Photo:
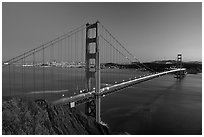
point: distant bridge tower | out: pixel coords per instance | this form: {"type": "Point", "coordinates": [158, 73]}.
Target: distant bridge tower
{"type": "Point", "coordinates": [92, 69]}
{"type": "Point", "coordinates": [179, 60]}
{"type": "Point", "coordinates": [180, 74]}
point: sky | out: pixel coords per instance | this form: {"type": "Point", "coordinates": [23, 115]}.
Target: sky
{"type": "Point", "coordinates": [150, 31]}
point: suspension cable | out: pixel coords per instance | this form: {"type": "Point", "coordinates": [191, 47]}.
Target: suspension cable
{"type": "Point", "coordinates": [125, 48]}
{"type": "Point", "coordinates": [46, 45]}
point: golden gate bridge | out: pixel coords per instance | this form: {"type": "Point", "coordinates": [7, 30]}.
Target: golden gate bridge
{"type": "Point", "coordinates": [83, 65]}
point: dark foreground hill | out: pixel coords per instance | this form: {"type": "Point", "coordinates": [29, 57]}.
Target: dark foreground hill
{"type": "Point", "coordinates": [21, 116]}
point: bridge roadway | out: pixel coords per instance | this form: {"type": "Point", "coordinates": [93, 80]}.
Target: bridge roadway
{"type": "Point", "coordinates": [85, 97]}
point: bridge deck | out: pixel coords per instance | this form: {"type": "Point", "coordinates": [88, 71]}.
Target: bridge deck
{"type": "Point", "coordinates": [84, 97]}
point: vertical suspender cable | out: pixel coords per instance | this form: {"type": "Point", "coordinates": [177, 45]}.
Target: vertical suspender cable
{"type": "Point", "coordinates": [34, 70]}
{"type": "Point", "coordinates": [68, 69]}
{"type": "Point", "coordinates": [61, 61]}
{"type": "Point", "coordinates": [24, 73]}
{"type": "Point", "coordinates": [110, 60]}
{"type": "Point", "coordinates": [22, 63]}
{"type": "Point", "coordinates": [65, 50]}
{"type": "Point", "coordinates": [115, 64]}
{"type": "Point", "coordinates": [53, 66]}
{"type": "Point", "coordinates": [116, 60]}
{"type": "Point", "coordinates": [9, 79]}
{"type": "Point", "coordinates": [71, 76]}
{"type": "Point", "coordinates": [65, 60]}
{"type": "Point", "coordinates": [14, 78]}
{"type": "Point", "coordinates": [50, 67]}
{"type": "Point", "coordinates": [43, 72]}
{"type": "Point", "coordinates": [23, 83]}
{"type": "Point", "coordinates": [75, 60]}
{"type": "Point", "coordinates": [58, 65]}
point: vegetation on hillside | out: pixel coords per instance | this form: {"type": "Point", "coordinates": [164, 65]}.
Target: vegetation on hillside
{"type": "Point", "coordinates": [22, 116]}
{"type": "Point", "coordinates": [191, 67]}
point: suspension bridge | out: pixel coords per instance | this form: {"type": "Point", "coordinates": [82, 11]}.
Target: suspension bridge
{"type": "Point", "coordinates": [79, 67]}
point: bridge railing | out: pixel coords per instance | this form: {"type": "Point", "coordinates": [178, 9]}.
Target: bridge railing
{"type": "Point", "coordinates": [85, 97]}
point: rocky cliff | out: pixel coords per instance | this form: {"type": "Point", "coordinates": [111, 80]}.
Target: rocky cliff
{"type": "Point", "coordinates": [22, 116]}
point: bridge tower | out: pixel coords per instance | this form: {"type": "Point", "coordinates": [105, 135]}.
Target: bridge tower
{"type": "Point", "coordinates": [180, 74]}
{"type": "Point", "coordinates": [92, 69]}
{"type": "Point", "coordinates": [179, 60]}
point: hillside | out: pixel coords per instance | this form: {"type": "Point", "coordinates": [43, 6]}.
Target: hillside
{"type": "Point", "coordinates": [21, 116]}
{"type": "Point", "coordinates": [191, 67]}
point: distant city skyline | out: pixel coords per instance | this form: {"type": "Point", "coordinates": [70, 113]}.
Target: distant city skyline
{"type": "Point", "coordinates": [150, 31]}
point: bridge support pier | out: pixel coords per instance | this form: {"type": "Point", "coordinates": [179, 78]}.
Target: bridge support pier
{"type": "Point", "coordinates": [92, 69]}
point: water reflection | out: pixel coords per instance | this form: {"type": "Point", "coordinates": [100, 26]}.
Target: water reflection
{"type": "Point", "coordinates": [161, 106]}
